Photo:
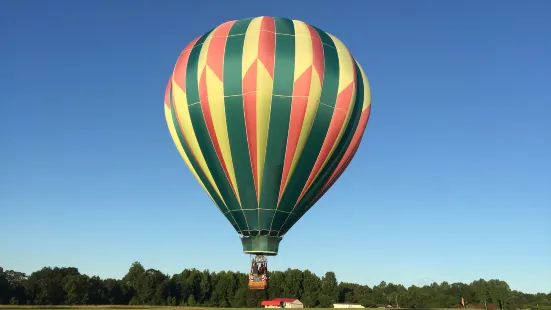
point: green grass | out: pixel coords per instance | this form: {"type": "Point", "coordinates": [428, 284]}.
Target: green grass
{"type": "Point", "coordinates": [89, 307]}
{"type": "Point", "coordinates": [109, 307]}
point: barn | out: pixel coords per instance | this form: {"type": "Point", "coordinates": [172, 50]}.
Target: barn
{"type": "Point", "coordinates": [282, 303]}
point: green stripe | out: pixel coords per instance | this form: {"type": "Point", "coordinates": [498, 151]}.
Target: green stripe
{"type": "Point", "coordinates": [280, 114]}
{"type": "Point", "coordinates": [319, 130]}
{"type": "Point", "coordinates": [202, 133]}
{"type": "Point", "coordinates": [198, 169]}
{"type": "Point", "coordinates": [345, 166]}
{"type": "Point", "coordinates": [337, 176]}
{"type": "Point", "coordinates": [235, 118]}
{"type": "Point", "coordinates": [336, 157]}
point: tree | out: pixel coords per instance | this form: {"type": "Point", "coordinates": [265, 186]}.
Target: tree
{"type": "Point", "coordinates": [191, 301]}
{"type": "Point", "coordinates": [16, 283]}
{"type": "Point", "coordinates": [481, 292]}
{"type": "Point", "coordinates": [329, 287]}
{"type": "Point", "coordinates": [76, 290]}
{"type": "Point", "coordinates": [192, 287]}
{"type": "Point", "coordinates": [293, 283]}
{"type": "Point", "coordinates": [368, 302]}
{"type": "Point", "coordinates": [277, 284]}
{"type": "Point", "coordinates": [311, 289]}
{"type": "Point", "coordinates": [135, 273]}
{"type": "Point", "coordinates": [325, 301]}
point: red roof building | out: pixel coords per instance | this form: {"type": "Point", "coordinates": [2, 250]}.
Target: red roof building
{"type": "Point", "coordinates": [282, 303]}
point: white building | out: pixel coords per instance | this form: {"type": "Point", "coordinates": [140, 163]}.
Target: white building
{"type": "Point", "coordinates": [293, 304]}
{"type": "Point", "coordinates": [347, 306]}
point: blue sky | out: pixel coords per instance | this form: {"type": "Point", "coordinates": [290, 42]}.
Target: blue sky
{"type": "Point", "coordinates": [452, 180]}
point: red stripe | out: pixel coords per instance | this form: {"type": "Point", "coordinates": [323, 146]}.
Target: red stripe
{"type": "Point", "coordinates": [349, 154]}
{"type": "Point", "coordinates": [203, 95]}
{"type": "Point", "coordinates": [336, 177]}
{"type": "Point", "coordinates": [266, 46]}
{"type": "Point", "coordinates": [179, 73]}
{"type": "Point", "coordinates": [298, 107]}
{"type": "Point", "coordinates": [301, 90]}
{"type": "Point", "coordinates": [215, 54]}
{"type": "Point", "coordinates": [317, 49]}
{"type": "Point", "coordinates": [249, 105]}
{"type": "Point", "coordinates": [344, 100]}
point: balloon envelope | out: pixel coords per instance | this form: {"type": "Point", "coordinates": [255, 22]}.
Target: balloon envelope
{"type": "Point", "coordinates": [267, 113]}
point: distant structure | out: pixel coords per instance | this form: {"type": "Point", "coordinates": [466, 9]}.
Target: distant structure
{"type": "Point", "coordinates": [282, 303]}
{"type": "Point", "coordinates": [345, 305]}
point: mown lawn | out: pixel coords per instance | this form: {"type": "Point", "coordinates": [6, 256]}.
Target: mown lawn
{"type": "Point", "coordinates": [88, 307]}
{"type": "Point", "coordinates": [5, 307]}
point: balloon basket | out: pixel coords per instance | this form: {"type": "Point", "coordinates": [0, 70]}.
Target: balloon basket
{"type": "Point", "coordinates": [261, 285]}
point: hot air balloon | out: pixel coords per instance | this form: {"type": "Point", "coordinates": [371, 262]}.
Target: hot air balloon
{"type": "Point", "coordinates": [267, 113]}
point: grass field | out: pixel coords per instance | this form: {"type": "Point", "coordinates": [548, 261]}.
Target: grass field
{"type": "Point", "coordinates": [5, 307]}
{"type": "Point", "coordinates": [88, 307]}
{"type": "Point", "coordinates": [108, 307]}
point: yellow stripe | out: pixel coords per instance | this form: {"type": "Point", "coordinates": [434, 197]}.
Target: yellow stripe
{"type": "Point", "coordinates": [304, 59]}
{"type": "Point", "coordinates": [215, 89]}
{"type": "Point", "coordinates": [202, 61]}
{"type": "Point", "coordinates": [367, 90]}
{"type": "Point", "coordinates": [346, 64]}
{"type": "Point", "coordinates": [264, 90]}
{"type": "Point", "coordinates": [178, 144]}
{"type": "Point", "coordinates": [250, 45]}
{"type": "Point", "coordinates": [346, 77]}
{"type": "Point", "coordinates": [180, 102]}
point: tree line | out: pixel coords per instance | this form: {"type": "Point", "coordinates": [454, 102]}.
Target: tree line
{"type": "Point", "coordinates": [192, 287]}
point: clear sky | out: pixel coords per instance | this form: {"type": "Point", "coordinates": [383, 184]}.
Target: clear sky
{"type": "Point", "coordinates": [452, 180]}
